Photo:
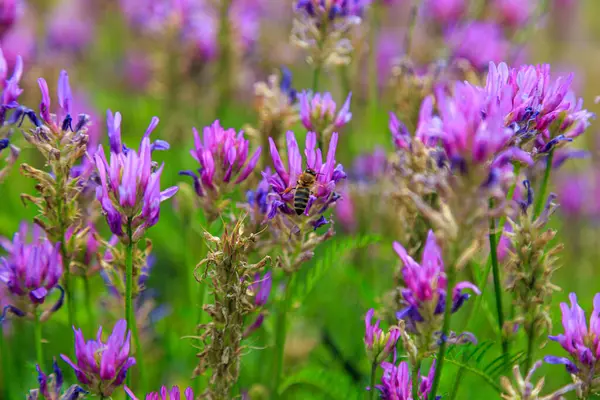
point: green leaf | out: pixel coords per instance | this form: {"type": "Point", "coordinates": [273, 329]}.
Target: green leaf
{"type": "Point", "coordinates": [334, 384]}
{"type": "Point", "coordinates": [303, 284]}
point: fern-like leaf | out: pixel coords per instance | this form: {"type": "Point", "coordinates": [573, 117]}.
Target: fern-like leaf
{"type": "Point", "coordinates": [332, 383]}
{"type": "Point", "coordinates": [303, 284]}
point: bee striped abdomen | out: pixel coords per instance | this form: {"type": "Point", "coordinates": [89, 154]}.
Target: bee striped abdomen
{"type": "Point", "coordinates": [301, 200]}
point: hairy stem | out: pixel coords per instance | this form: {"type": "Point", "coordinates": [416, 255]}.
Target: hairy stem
{"type": "Point", "coordinates": [67, 267]}
{"type": "Point", "coordinates": [37, 332]}
{"type": "Point", "coordinates": [415, 379]}
{"type": "Point", "coordinates": [372, 382]}
{"type": "Point", "coordinates": [541, 194]}
{"type": "Point", "coordinates": [530, 345]}
{"type": "Point", "coordinates": [497, 283]}
{"type": "Point", "coordinates": [280, 333]}
{"type": "Point", "coordinates": [441, 354]}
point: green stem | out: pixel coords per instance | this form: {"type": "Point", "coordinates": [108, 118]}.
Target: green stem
{"type": "Point", "coordinates": [88, 302]}
{"type": "Point", "coordinates": [37, 331]}
{"type": "Point", "coordinates": [373, 377]}
{"type": "Point", "coordinates": [6, 369]}
{"type": "Point", "coordinates": [129, 287]}
{"type": "Point", "coordinates": [441, 354]}
{"type": "Point", "coordinates": [497, 283]}
{"type": "Point", "coordinates": [459, 376]}
{"type": "Point", "coordinates": [541, 194]}
{"type": "Point", "coordinates": [415, 379]}
{"type": "Point", "coordinates": [280, 333]}
{"type": "Point", "coordinates": [530, 346]}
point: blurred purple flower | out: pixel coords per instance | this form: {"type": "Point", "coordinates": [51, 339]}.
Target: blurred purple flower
{"type": "Point", "coordinates": [137, 70]}
{"type": "Point", "coordinates": [130, 185]}
{"type": "Point", "coordinates": [346, 212]}
{"type": "Point", "coordinates": [164, 394]}
{"type": "Point", "coordinates": [332, 10]}
{"type": "Point", "coordinates": [573, 194]}
{"type": "Point", "coordinates": [318, 112]}
{"type": "Point", "coordinates": [400, 134]}
{"type": "Point", "coordinates": [396, 382]}
{"type": "Point", "coordinates": [19, 41]}
{"type": "Point", "coordinates": [328, 175]}
{"type": "Point", "coordinates": [102, 366]}
{"type": "Point", "coordinates": [581, 344]}
{"type": "Point", "coordinates": [513, 13]}
{"type": "Point", "coordinates": [369, 167]}
{"type": "Point", "coordinates": [10, 86]}
{"type": "Point", "coordinates": [531, 101]}
{"type": "Point", "coordinates": [260, 290]}
{"type": "Point", "coordinates": [425, 290]}
{"type": "Point", "coordinates": [9, 12]}
{"type": "Point", "coordinates": [257, 204]}
{"type": "Point", "coordinates": [379, 345]}
{"type": "Point", "coordinates": [389, 49]}
{"type": "Point", "coordinates": [32, 269]}
{"type": "Point", "coordinates": [478, 42]}
{"type": "Point", "coordinates": [50, 386]}
{"type": "Point", "coordinates": [70, 28]}
{"type": "Point", "coordinates": [222, 155]}
{"type": "Point", "coordinates": [445, 12]}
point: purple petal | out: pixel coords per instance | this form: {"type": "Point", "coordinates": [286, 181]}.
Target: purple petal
{"type": "Point", "coordinates": [571, 367]}
{"type": "Point", "coordinates": [250, 166]}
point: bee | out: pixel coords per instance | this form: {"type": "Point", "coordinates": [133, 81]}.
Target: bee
{"type": "Point", "coordinates": [303, 188]}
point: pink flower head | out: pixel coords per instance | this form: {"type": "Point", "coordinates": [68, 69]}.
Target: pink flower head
{"type": "Point", "coordinates": [33, 268]}
{"type": "Point", "coordinates": [165, 394]}
{"type": "Point", "coordinates": [223, 158]}
{"type": "Point", "coordinates": [379, 345]}
{"type": "Point", "coordinates": [580, 341]}
{"type": "Point", "coordinates": [318, 111]}
{"type": "Point", "coordinates": [446, 12]}
{"type": "Point", "coordinates": [426, 283]}
{"type": "Point", "coordinates": [129, 192]}
{"type": "Point", "coordinates": [70, 27]}
{"type": "Point", "coordinates": [530, 101]}
{"type": "Point", "coordinates": [328, 175]}
{"type": "Point", "coordinates": [396, 382]}
{"type": "Point", "coordinates": [478, 42]}
{"type": "Point", "coordinates": [10, 10]}
{"type": "Point", "coordinates": [102, 366]}
{"type": "Point", "coordinates": [513, 13]}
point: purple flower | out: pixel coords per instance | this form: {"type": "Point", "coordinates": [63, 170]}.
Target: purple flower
{"type": "Point", "coordinates": [165, 394]}
{"type": "Point", "coordinates": [369, 167]}
{"type": "Point", "coordinates": [400, 134]}
{"type": "Point", "coordinates": [10, 86]}
{"type": "Point", "coordinates": [396, 383]}
{"type": "Point", "coordinates": [426, 284]}
{"type": "Point", "coordinates": [10, 10]}
{"type": "Point", "coordinates": [332, 10]}
{"type": "Point", "coordinates": [32, 269]}
{"type": "Point", "coordinates": [318, 112]}
{"type": "Point", "coordinates": [379, 345]}
{"type": "Point", "coordinates": [582, 344]}
{"type": "Point", "coordinates": [346, 213]}
{"type": "Point", "coordinates": [388, 50]}
{"type": "Point", "coordinates": [478, 42]}
{"type": "Point", "coordinates": [257, 203]}
{"type": "Point", "coordinates": [129, 192]}
{"type": "Point", "coordinates": [102, 366]}
{"type": "Point", "coordinates": [445, 12]}
{"type": "Point", "coordinates": [260, 290]}
{"type": "Point", "coordinates": [471, 131]}
{"type": "Point", "coordinates": [513, 13]}
{"type": "Point", "coordinates": [69, 26]}
{"type": "Point", "coordinates": [284, 181]}
{"type": "Point", "coordinates": [50, 386]}
{"type": "Point", "coordinates": [531, 101]}
{"type": "Point", "coordinates": [223, 158]}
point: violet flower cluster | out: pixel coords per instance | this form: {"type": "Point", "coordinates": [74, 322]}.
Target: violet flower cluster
{"type": "Point", "coordinates": [379, 345]}
{"type": "Point", "coordinates": [260, 291]}
{"type": "Point", "coordinates": [396, 383]}
{"type": "Point", "coordinates": [31, 271]}
{"type": "Point", "coordinates": [323, 193]}
{"type": "Point", "coordinates": [50, 387]}
{"type": "Point", "coordinates": [581, 342]}
{"type": "Point", "coordinates": [318, 114]}
{"type": "Point", "coordinates": [425, 292]}
{"type": "Point", "coordinates": [129, 192]}
{"type": "Point", "coordinates": [165, 394]}
{"type": "Point", "coordinates": [102, 366]}
{"type": "Point", "coordinates": [10, 86]}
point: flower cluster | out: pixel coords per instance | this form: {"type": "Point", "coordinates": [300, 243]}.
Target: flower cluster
{"type": "Point", "coordinates": [524, 389]}
{"type": "Point", "coordinates": [379, 345]}
{"type": "Point", "coordinates": [317, 113]}
{"type": "Point", "coordinates": [581, 343]}
{"type": "Point", "coordinates": [396, 382]}
{"type": "Point", "coordinates": [31, 271]}
{"type": "Point", "coordinates": [130, 184]}
{"type": "Point", "coordinates": [542, 111]}
{"type": "Point", "coordinates": [165, 394]}
{"type": "Point", "coordinates": [223, 158]}
{"type": "Point", "coordinates": [260, 291]}
{"type": "Point", "coordinates": [424, 294]}
{"type": "Point", "coordinates": [102, 366]}
{"type": "Point", "coordinates": [51, 387]}
{"type": "Point", "coordinates": [466, 43]}
{"type": "Point", "coordinates": [10, 86]}
{"type": "Point", "coordinates": [286, 181]}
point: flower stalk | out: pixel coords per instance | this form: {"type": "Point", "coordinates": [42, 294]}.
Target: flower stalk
{"type": "Point", "coordinates": [372, 392]}
{"type": "Point", "coordinates": [37, 331]}
{"type": "Point", "coordinates": [280, 336]}
{"type": "Point", "coordinates": [539, 204]}
{"type": "Point", "coordinates": [129, 315]}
